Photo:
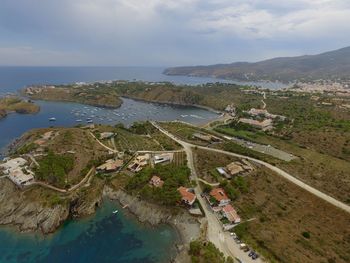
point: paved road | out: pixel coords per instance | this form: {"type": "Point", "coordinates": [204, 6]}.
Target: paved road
{"type": "Point", "coordinates": [265, 149]}
{"type": "Point", "coordinates": [279, 171]}
{"type": "Point", "coordinates": [222, 240]}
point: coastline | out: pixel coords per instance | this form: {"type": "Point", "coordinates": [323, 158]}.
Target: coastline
{"type": "Point", "coordinates": [83, 103]}
{"type": "Point", "coordinates": [174, 104]}
{"type": "Point", "coordinates": [47, 220]}
{"type": "Point", "coordinates": [187, 226]}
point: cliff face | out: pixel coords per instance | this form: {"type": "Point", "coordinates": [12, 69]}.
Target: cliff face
{"type": "Point", "coordinates": [28, 214]}
{"type": "Point", "coordinates": [29, 209]}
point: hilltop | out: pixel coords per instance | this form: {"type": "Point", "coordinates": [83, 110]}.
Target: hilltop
{"type": "Point", "coordinates": [328, 65]}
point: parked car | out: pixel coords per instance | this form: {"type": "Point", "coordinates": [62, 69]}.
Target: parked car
{"type": "Point", "coordinates": [251, 253]}
{"type": "Point", "coordinates": [255, 256]}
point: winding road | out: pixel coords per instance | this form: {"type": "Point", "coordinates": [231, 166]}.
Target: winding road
{"type": "Point", "coordinates": [215, 234]}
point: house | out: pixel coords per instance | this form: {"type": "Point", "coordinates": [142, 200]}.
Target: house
{"type": "Point", "coordinates": [206, 137]}
{"type": "Point", "coordinates": [263, 125]}
{"type": "Point", "coordinates": [17, 172]}
{"type": "Point", "coordinates": [139, 163]}
{"type": "Point", "coordinates": [110, 165]}
{"type": "Point", "coordinates": [12, 164]}
{"type": "Point", "coordinates": [234, 168]}
{"type": "Point", "coordinates": [186, 195]}
{"type": "Point", "coordinates": [162, 158]}
{"type": "Point", "coordinates": [156, 181]}
{"type": "Point", "coordinates": [230, 213]}
{"type": "Point", "coordinates": [231, 109]}
{"type": "Point", "coordinates": [223, 172]}
{"type": "Point", "coordinates": [265, 113]}
{"type": "Point", "coordinates": [107, 135]}
{"type": "Point", "coordinates": [220, 196]}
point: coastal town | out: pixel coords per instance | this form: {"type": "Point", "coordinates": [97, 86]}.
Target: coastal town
{"type": "Point", "coordinates": [203, 172]}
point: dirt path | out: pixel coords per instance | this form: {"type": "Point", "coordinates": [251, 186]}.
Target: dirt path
{"type": "Point", "coordinates": [103, 145]}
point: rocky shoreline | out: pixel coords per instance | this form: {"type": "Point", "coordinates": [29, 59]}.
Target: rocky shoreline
{"type": "Point", "coordinates": [188, 227]}
{"type": "Point", "coordinates": [28, 210]}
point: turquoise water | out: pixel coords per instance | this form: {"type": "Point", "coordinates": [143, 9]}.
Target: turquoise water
{"type": "Point", "coordinates": [104, 237]}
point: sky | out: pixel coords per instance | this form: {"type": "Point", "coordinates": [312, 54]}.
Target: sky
{"type": "Point", "coordinates": [167, 32]}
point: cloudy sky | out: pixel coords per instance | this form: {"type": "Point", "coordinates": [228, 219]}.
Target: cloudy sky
{"type": "Point", "coordinates": [167, 32]}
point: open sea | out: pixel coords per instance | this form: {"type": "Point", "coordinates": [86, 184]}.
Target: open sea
{"type": "Point", "coordinates": [104, 237]}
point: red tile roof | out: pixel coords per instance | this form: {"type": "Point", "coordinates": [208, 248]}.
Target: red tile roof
{"type": "Point", "coordinates": [219, 194]}
{"type": "Point", "coordinates": [186, 195]}
{"type": "Point", "coordinates": [231, 213]}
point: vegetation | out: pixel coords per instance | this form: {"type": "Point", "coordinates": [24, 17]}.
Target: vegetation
{"type": "Point", "coordinates": [54, 168]}
{"type": "Point", "coordinates": [173, 177]}
{"type": "Point", "coordinates": [18, 105]}
{"type": "Point", "coordinates": [140, 136]}
{"type": "Point", "coordinates": [283, 212]}
{"type": "Point", "coordinates": [206, 252]}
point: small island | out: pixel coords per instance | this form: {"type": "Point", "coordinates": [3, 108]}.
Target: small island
{"type": "Point", "coordinates": [10, 104]}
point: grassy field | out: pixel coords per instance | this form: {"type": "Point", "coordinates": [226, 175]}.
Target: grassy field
{"type": "Point", "coordinates": [73, 144]}
{"type": "Point", "coordinates": [186, 131]}
{"type": "Point", "coordinates": [207, 162]}
{"type": "Point", "coordinates": [93, 94]}
{"type": "Point", "coordinates": [291, 225]}
{"type": "Point", "coordinates": [326, 173]}
{"type": "Point", "coordinates": [139, 137]}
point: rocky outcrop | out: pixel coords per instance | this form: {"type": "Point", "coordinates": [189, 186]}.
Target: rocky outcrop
{"type": "Point", "coordinates": [22, 209]}
{"type": "Point", "coordinates": [30, 209]}
{"type": "Point", "coordinates": [153, 214]}
{"type": "Point", "coordinates": [187, 226]}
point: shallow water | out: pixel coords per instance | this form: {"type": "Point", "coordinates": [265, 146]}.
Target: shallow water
{"type": "Point", "coordinates": [104, 237]}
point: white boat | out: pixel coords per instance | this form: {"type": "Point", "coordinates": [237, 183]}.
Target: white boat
{"type": "Point", "coordinates": [78, 120]}
{"type": "Point", "coordinates": [116, 211]}
{"type": "Point", "coordinates": [52, 119]}
{"type": "Point", "coordinates": [89, 121]}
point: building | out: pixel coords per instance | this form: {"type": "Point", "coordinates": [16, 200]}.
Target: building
{"type": "Point", "coordinates": [107, 135]}
{"type": "Point", "coordinates": [156, 181]}
{"type": "Point", "coordinates": [206, 137]}
{"type": "Point", "coordinates": [139, 163]}
{"type": "Point", "coordinates": [231, 109]}
{"type": "Point", "coordinates": [262, 125]}
{"type": "Point", "coordinates": [110, 165]}
{"type": "Point", "coordinates": [230, 213]}
{"type": "Point", "coordinates": [265, 113]}
{"type": "Point", "coordinates": [186, 195]}
{"type": "Point", "coordinates": [234, 169]}
{"type": "Point", "coordinates": [162, 158]}
{"type": "Point", "coordinates": [220, 196]}
{"type": "Point", "coordinates": [223, 172]}
{"type": "Point", "coordinates": [17, 171]}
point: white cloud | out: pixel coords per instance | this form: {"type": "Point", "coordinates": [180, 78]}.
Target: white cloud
{"type": "Point", "coordinates": [158, 32]}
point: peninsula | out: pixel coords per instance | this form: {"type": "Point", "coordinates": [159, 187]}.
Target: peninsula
{"type": "Point", "coordinates": [14, 104]}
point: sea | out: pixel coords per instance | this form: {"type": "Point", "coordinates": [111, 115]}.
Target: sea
{"type": "Point", "coordinates": [103, 237]}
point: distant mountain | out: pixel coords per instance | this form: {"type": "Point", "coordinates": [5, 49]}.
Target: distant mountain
{"type": "Point", "coordinates": [329, 65]}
